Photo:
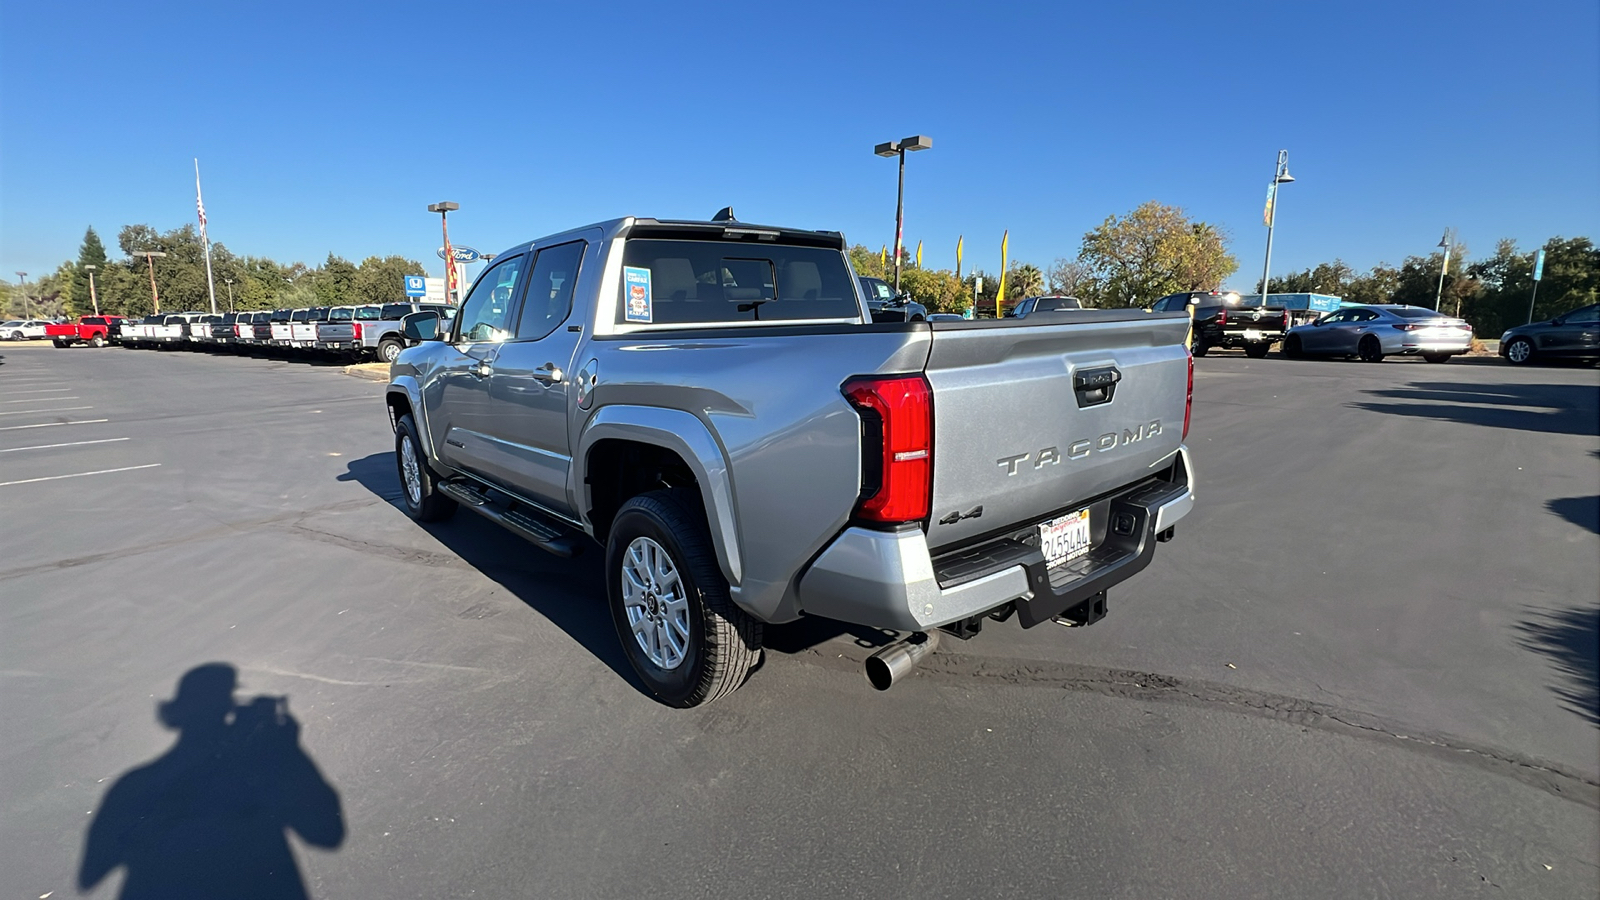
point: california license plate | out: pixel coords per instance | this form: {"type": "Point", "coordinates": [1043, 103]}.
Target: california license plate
{"type": "Point", "coordinates": [1065, 539]}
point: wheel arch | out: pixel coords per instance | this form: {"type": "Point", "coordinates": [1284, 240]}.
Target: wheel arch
{"type": "Point", "coordinates": [624, 450]}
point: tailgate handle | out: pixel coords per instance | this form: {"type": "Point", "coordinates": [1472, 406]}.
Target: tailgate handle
{"type": "Point", "coordinates": [1095, 386]}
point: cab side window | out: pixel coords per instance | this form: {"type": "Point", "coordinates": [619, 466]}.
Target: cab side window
{"type": "Point", "coordinates": [486, 315]}
{"type": "Point", "coordinates": [548, 300]}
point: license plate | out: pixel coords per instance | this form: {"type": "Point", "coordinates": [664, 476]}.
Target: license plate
{"type": "Point", "coordinates": [1252, 334]}
{"type": "Point", "coordinates": [1065, 539]}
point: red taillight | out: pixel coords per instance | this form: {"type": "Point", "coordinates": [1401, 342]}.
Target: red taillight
{"type": "Point", "coordinates": [1188, 399]}
{"type": "Point", "coordinates": [1405, 326]}
{"type": "Point", "coordinates": [1222, 317]}
{"type": "Point", "coordinates": [897, 415]}
{"type": "Point", "coordinates": [355, 330]}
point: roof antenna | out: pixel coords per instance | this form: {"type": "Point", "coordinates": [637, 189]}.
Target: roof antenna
{"type": "Point", "coordinates": [724, 215]}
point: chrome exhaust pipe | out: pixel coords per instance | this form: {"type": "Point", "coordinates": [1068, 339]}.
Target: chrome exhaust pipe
{"type": "Point", "coordinates": [892, 663]}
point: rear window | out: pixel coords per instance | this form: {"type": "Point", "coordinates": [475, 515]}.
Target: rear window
{"type": "Point", "coordinates": [1413, 312]}
{"type": "Point", "coordinates": [153, 320]}
{"type": "Point", "coordinates": [261, 318]}
{"type": "Point", "coordinates": [708, 282]}
{"type": "Point", "coordinates": [393, 311]}
{"type": "Point", "coordinates": [300, 315]}
{"type": "Point", "coordinates": [1051, 304]}
{"type": "Point", "coordinates": [319, 314]}
{"type": "Point", "coordinates": [341, 315]}
{"type": "Point", "coordinates": [369, 314]}
{"type": "Point", "coordinates": [282, 315]}
{"type": "Point", "coordinates": [94, 320]}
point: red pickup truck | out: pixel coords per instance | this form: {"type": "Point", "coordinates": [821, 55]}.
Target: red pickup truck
{"type": "Point", "coordinates": [96, 331]}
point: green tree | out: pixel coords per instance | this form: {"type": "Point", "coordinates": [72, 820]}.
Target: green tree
{"type": "Point", "coordinates": [1152, 251]}
{"type": "Point", "coordinates": [382, 279]}
{"type": "Point", "coordinates": [90, 253]}
{"type": "Point", "coordinates": [334, 283]}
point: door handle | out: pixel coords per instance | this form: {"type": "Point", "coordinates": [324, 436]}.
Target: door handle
{"type": "Point", "coordinates": [549, 373]}
{"type": "Point", "coordinates": [483, 369]}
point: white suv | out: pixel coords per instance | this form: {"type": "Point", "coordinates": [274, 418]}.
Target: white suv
{"type": "Point", "coordinates": [22, 329]}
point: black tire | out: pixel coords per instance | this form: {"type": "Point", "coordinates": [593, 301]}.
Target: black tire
{"type": "Point", "coordinates": [97, 341]}
{"type": "Point", "coordinates": [723, 643]}
{"type": "Point", "coordinates": [1369, 350]}
{"type": "Point", "coordinates": [1291, 347]}
{"type": "Point", "coordinates": [1520, 351]}
{"type": "Point", "coordinates": [389, 351]}
{"type": "Point", "coordinates": [1197, 347]}
{"type": "Point", "coordinates": [1436, 357]}
{"type": "Point", "coordinates": [60, 344]}
{"type": "Point", "coordinates": [419, 487]}
{"type": "Point", "coordinates": [16, 336]}
{"type": "Point", "coordinates": [1257, 349]}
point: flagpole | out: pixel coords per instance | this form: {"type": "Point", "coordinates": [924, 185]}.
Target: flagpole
{"type": "Point", "coordinates": [211, 285]}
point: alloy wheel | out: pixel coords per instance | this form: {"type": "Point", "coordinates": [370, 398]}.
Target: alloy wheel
{"type": "Point", "coordinates": [654, 599]}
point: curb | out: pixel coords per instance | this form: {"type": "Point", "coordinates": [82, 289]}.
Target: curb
{"type": "Point", "coordinates": [369, 371]}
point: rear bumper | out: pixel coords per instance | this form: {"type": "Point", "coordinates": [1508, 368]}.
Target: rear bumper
{"type": "Point", "coordinates": [338, 345]}
{"type": "Point", "coordinates": [888, 579]}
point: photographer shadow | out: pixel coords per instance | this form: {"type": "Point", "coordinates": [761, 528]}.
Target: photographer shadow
{"type": "Point", "coordinates": [209, 818]}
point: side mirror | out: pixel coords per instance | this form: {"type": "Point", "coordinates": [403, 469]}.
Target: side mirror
{"type": "Point", "coordinates": [420, 326]}
{"type": "Point", "coordinates": [1559, 320]}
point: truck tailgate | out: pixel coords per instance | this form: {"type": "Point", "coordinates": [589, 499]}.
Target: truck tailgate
{"type": "Point", "coordinates": [342, 332]}
{"type": "Point", "coordinates": [1018, 428]}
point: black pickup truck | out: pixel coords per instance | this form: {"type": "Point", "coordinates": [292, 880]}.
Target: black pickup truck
{"type": "Point", "coordinates": [1224, 319]}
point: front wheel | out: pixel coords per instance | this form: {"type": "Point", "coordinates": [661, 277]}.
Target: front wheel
{"type": "Point", "coordinates": [389, 351]}
{"type": "Point", "coordinates": [681, 632]}
{"type": "Point", "coordinates": [1370, 350]}
{"type": "Point", "coordinates": [1197, 347]}
{"type": "Point", "coordinates": [1291, 347]}
{"type": "Point", "coordinates": [418, 486]}
{"type": "Point", "coordinates": [16, 336]}
{"type": "Point", "coordinates": [1257, 349]}
{"type": "Point", "coordinates": [1520, 351]}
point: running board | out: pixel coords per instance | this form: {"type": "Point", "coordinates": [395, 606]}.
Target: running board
{"type": "Point", "coordinates": [530, 525]}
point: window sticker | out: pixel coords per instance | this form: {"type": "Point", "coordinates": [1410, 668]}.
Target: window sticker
{"type": "Point", "coordinates": [636, 282]}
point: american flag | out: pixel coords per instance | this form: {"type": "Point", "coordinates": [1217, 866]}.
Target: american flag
{"type": "Point", "coordinates": [199, 203]}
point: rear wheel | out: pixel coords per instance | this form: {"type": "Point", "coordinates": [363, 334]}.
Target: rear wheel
{"type": "Point", "coordinates": [1520, 351]}
{"type": "Point", "coordinates": [1257, 349]}
{"type": "Point", "coordinates": [418, 486]}
{"type": "Point", "coordinates": [1369, 349]}
{"type": "Point", "coordinates": [389, 351]}
{"type": "Point", "coordinates": [1197, 346]}
{"type": "Point", "coordinates": [681, 632]}
{"type": "Point", "coordinates": [1436, 357]}
{"type": "Point", "coordinates": [59, 343]}
{"type": "Point", "coordinates": [98, 340]}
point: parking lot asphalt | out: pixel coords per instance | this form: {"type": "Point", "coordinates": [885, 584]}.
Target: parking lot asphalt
{"type": "Point", "coordinates": [1365, 667]}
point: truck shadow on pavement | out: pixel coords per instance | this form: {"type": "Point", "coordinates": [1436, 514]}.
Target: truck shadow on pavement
{"type": "Point", "coordinates": [1583, 512]}
{"type": "Point", "coordinates": [1570, 638]}
{"type": "Point", "coordinates": [571, 593]}
{"type": "Point", "coordinates": [1546, 408]}
{"type": "Point", "coordinates": [211, 816]}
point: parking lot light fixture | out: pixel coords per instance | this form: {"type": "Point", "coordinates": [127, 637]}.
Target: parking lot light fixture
{"type": "Point", "coordinates": [892, 149]}
{"type": "Point", "coordinates": [1445, 243]}
{"type": "Point", "coordinates": [444, 208]}
{"type": "Point", "coordinates": [1280, 175]}
{"type": "Point", "coordinates": [93, 297]}
{"type": "Point", "coordinates": [150, 257]}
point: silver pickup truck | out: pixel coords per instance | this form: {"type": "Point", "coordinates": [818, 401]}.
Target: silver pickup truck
{"type": "Point", "coordinates": [712, 404]}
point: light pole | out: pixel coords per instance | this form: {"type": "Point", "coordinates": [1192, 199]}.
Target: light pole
{"type": "Point", "coordinates": [22, 287]}
{"type": "Point", "coordinates": [899, 148]}
{"type": "Point", "coordinates": [150, 257]}
{"type": "Point", "coordinates": [444, 208]}
{"type": "Point", "coordinates": [229, 282]}
{"type": "Point", "coordinates": [93, 297]}
{"type": "Point", "coordinates": [1439, 292]}
{"type": "Point", "coordinates": [1280, 175]}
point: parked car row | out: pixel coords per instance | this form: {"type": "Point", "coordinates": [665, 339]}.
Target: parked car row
{"type": "Point", "coordinates": [356, 332]}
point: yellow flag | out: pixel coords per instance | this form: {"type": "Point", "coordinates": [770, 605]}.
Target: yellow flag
{"type": "Point", "coordinates": [919, 254]}
{"type": "Point", "coordinates": [1000, 293]}
{"type": "Point", "coordinates": [883, 257]}
{"type": "Point", "coordinates": [959, 239]}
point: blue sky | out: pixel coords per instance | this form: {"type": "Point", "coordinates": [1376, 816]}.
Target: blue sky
{"type": "Point", "coordinates": [329, 126]}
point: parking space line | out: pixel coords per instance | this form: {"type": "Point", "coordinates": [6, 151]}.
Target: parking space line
{"type": "Point", "coordinates": [37, 399]}
{"type": "Point", "coordinates": [54, 424]}
{"type": "Point", "coordinates": [78, 474]}
{"type": "Point", "coordinates": [40, 391]}
{"type": "Point", "coordinates": [29, 412]}
{"type": "Point", "coordinates": [68, 444]}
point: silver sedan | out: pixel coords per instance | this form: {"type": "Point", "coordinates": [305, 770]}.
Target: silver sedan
{"type": "Point", "coordinates": [1373, 332]}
